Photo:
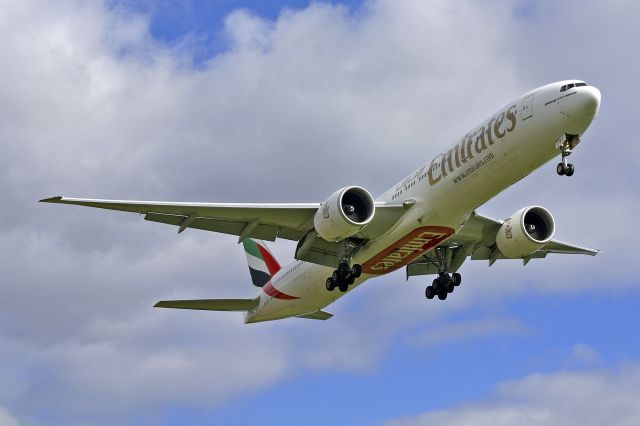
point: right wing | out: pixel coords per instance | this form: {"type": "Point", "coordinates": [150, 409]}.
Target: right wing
{"type": "Point", "coordinates": [477, 240]}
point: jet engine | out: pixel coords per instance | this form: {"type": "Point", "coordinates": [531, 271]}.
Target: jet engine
{"type": "Point", "coordinates": [526, 231]}
{"type": "Point", "coordinates": [344, 213]}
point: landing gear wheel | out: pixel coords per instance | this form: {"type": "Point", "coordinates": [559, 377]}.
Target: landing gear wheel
{"type": "Point", "coordinates": [335, 276]}
{"type": "Point", "coordinates": [560, 169]}
{"type": "Point", "coordinates": [429, 292]}
{"type": "Point", "coordinates": [356, 270]}
{"type": "Point", "coordinates": [442, 295]}
{"type": "Point", "coordinates": [330, 284]}
{"type": "Point", "coordinates": [456, 279]}
{"type": "Point", "coordinates": [343, 269]}
{"type": "Point", "coordinates": [343, 287]}
{"type": "Point", "coordinates": [450, 288]}
{"type": "Point", "coordinates": [569, 170]}
{"type": "Point", "coordinates": [435, 284]}
{"type": "Point", "coordinates": [351, 280]}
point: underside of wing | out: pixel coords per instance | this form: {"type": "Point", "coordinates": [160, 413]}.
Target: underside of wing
{"type": "Point", "coordinates": [210, 304]}
{"type": "Point", "coordinates": [555, 246]}
{"type": "Point", "coordinates": [260, 221]}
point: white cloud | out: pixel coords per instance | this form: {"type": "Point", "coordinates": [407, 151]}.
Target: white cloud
{"type": "Point", "coordinates": [6, 419]}
{"type": "Point", "coordinates": [295, 108]}
{"type": "Point", "coordinates": [584, 354]}
{"type": "Point", "coordinates": [464, 330]}
{"type": "Point", "coordinates": [560, 398]}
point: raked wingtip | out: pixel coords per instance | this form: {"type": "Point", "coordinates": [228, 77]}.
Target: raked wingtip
{"type": "Point", "coordinates": [51, 199]}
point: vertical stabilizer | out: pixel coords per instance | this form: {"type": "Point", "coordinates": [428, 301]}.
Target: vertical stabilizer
{"type": "Point", "coordinates": [262, 264]}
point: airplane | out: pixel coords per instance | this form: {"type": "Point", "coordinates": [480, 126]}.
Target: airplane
{"type": "Point", "coordinates": [426, 223]}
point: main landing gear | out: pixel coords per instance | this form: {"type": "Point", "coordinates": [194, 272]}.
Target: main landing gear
{"type": "Point", "coordinates": [445, 259]}
{"type": "Point", "coordinates": [566, 144]}
{"type": "Point", "coordinates": [344, 276]}
{"type": "Point", "coordinates": [443, 285]}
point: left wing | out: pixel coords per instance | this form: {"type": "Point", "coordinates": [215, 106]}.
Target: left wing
{"type": "Point", "coordinates": [260, 221]}
{"type": "Point", "coordinates": [477, 240]}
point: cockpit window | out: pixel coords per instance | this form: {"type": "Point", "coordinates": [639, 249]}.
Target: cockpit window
{"type": "Point", "coordinates": [572, 85]}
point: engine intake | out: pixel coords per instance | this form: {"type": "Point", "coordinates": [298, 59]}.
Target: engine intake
{"type": "Point", "coordinates": [345, 213]}
{"type": "Point", "coordinates": [526, 231]}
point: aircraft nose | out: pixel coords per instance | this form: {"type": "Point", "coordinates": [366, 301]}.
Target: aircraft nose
{"type": "Point", "coordinates": [590, 101]}
{"type": "Point", "coordinates": [581, 108]}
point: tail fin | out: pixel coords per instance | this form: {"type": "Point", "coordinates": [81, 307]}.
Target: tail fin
{"type": "Point", "coordinates": [262, 264]}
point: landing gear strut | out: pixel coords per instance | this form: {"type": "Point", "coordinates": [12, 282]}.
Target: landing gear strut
{"type": "Point", "coordinates": [443, 285]}
{"type": "Point", "coordinates": [344, 276]}
{"type": "Point", "coordinates": [566, 144]}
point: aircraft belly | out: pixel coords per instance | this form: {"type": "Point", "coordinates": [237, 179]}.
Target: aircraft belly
{"type": "Point", "coordinates": [308, 294]}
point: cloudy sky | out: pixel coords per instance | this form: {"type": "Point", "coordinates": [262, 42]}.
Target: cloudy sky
{"type": "Point", "coordinates": [286, 101]}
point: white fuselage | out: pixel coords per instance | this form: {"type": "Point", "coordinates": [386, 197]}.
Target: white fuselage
{"type": "Point", "coordinates": [492, 156]}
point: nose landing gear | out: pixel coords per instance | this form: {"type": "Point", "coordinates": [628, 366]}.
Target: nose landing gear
{"type": "Point", "coordinates": [566, 143]}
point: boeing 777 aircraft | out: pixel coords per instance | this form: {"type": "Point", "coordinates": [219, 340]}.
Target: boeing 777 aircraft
{"type": "Point", "coordinates": [427, 222]}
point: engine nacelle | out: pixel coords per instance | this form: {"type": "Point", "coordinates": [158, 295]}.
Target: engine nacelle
{"type": "Point", "coordinates": [344, 213]}
{"type": "Point", "coordinates": [526, 231]}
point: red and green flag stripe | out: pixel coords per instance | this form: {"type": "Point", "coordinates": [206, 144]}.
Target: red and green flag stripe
{"type": "Point", "coordinates": [262, 264]}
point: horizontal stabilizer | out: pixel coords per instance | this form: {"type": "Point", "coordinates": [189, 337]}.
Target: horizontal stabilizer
{"type": "Point", "coordinates": [210, 304]}
{"type": "Point", "coordinates": [317, 315]}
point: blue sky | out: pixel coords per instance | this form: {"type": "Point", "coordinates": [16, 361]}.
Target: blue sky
{"type": "Point", "coordinates": [237, 101]}
{"type": "Point", "coordinates": [413, 379]}
{"type": "Point", "coordinates": [172, 21]}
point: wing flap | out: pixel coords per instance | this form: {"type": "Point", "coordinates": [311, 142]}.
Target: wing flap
{"type": "Point", "coordinates": [210, 304]}
{"type": "Point", "coordinates": [232, 227]}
